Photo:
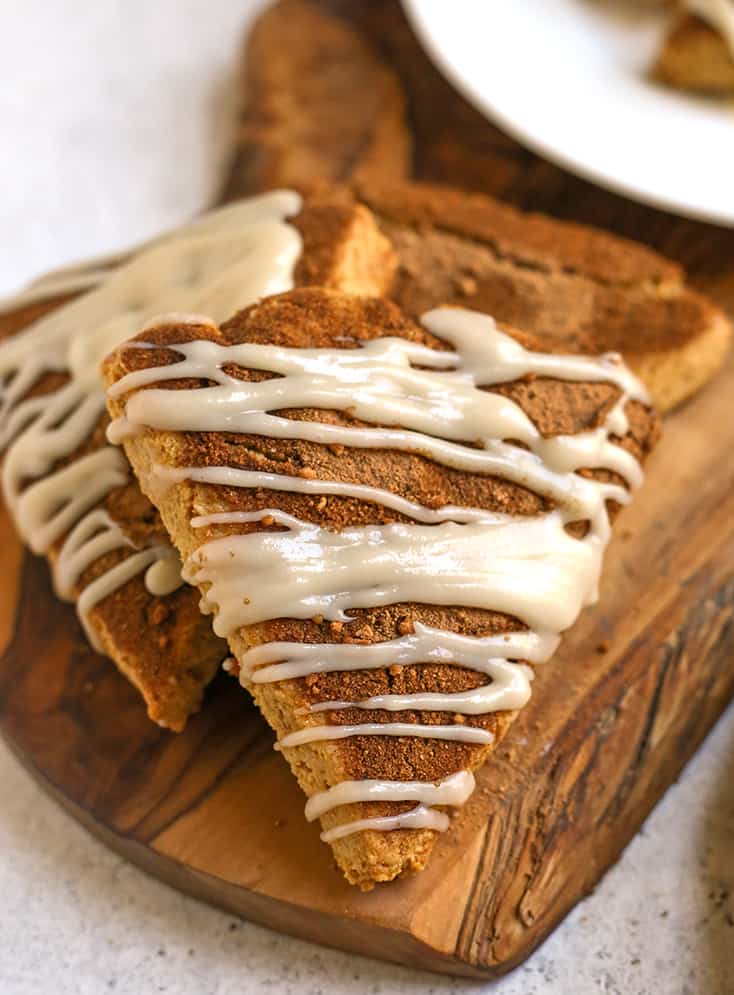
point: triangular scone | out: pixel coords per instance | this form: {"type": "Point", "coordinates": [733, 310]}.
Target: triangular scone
{"type": "Point", "coordinates": [71, 494]}
{"type": "Point", "coordinates": [318, 538]}
{"type": "Point", "coordinates": [697, 56]}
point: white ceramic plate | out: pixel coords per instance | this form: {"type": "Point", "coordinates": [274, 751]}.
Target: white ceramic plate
{"type": "Point", "coordinates": [568, 78]}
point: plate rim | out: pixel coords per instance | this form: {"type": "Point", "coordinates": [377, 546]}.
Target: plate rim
{"type": "Point", "coordinates": [681, 207]}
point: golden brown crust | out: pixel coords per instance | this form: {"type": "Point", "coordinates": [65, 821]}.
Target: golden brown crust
{"type": "Point", "coordinates": [318, 318]}
{"type": "Point", "coordinates": [583, 289]}
{"type": "Point", "coordinates": [343, 248]}
{"type": "Point", "coordinates": [301, 58]}
{"type": "Point", "coordinates": [695, 57]}
{"type": "Point", "coordinates": [532, 240]}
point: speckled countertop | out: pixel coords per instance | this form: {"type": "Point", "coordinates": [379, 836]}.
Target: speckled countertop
{"type": "Point", "coordinates": [114, 123]}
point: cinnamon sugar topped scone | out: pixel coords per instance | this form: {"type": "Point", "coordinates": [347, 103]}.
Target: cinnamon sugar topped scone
{"type": "Point", "coordinates": [391, 523]}
{"type": "Point", "coordinates": [424, 246]}
{"type": "Point", "coordinates": [72, 495]}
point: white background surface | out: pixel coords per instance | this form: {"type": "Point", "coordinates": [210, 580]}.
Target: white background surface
{"type": "Point", "coordinates": [114, 123]}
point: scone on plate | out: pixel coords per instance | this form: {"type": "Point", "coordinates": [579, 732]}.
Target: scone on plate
{"type": "Point", "coordinates": [698, 53]}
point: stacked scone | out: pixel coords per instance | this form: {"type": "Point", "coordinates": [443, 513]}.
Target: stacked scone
{"type": "Point", "coordinates": [387, 507]}
{"type": "Point", "coordinates": [359, 444]}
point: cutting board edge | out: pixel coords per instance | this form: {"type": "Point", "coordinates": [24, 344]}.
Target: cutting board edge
{"type": "Point", "coordinates": [383, 942]}
{"type": "Point", "coordinates": [252, 906]}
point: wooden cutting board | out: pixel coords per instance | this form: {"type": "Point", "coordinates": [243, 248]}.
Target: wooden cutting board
{"type": "Point", "coordinates": [636, 686]}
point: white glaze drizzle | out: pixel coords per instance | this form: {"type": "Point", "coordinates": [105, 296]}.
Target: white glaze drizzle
{"type": "Point", "coordinates": [285, 661]}
{"type": "Point", "coordinates": [452, 791]}
{"type": "Point", "coordinates": [109, 582]}
{"type": "Point", "coordinates": [425, 400]}
{"type": "Point", "coordinates": [162, 477]}
{"type": "Point", "coordinates": [419, 817]}
{"type": "Point", "coordinates": [530, 568]}
{"type": "Point", "coordinates": [312, 734]}
{"type": "Point", "coordinates": [92, 537]}
{"type": "Point", "coordinates": [378, 384]}
{"type": "Point", "coordinates": [89, 273]}
{"type": "Point", "coordinates": [218, 264]}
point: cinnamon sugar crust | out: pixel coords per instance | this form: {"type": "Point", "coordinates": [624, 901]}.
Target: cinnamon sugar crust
{"type": "Point", "coordinates": [580, 288]}
{"type": "Point", "coordinates": [317, 318]}
{"type": "Point", "coordinates": [529, 240]}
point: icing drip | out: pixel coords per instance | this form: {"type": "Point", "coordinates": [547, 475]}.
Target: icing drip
{"type": "Point", "coordinates": [528, 568]}
{"type": "Point", "coordinates": [377, 383]}
{"type": "Point", "coordinates": [452, 791]}
{"type": "Point", "coordinates": [164, 575]}
{"type": "Point", "coordinates": [218, 264]}
{"type": "Point", "coordinates": [425, 401]}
